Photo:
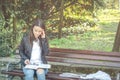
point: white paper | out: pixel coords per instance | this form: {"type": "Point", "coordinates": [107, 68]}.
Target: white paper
{"type": "Point", "coordinates": [98, 75]}
{"type": "Point", "coordinates": [30, 66]}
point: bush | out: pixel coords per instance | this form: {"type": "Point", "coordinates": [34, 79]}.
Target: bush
{"type": "Point", "coordinates": [6, 42]}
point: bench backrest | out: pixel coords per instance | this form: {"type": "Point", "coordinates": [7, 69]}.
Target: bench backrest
{"type": "Point", "coordinates": [84, 58]}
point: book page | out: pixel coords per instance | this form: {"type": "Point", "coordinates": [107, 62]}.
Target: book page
{"type": "Point", "coordinates": [30, 66]}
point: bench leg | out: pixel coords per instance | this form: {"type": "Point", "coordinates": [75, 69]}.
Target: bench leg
{"type": "Point", "coordinates": [118, 76]}
{"type": "Point", "coordinates": [10, 77]}
{"type": "Point", "coordinates": [22, 78]}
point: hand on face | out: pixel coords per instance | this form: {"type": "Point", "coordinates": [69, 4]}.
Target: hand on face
{"type": "Point", "coordinates": [37, 31]}
{"type": "Point", "coordinates": [43, 34]}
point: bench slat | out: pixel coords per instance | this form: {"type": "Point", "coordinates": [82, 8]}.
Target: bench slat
{"type": "Point", "coordinates": [87, 63]}
{"type": "Point", "coordinates": [84, 56]}
{"type": "Point", "coordinates": [55, 76]}
{"type": "Point", "coordinates": [90, 52]}
{"type": "Point", "coordinates": [13, 73]}
{"type": "Point", "coordinates": [50, 75]}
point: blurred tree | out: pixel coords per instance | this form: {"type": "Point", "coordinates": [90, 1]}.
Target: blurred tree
{"type": "Point", "coordinates": [58, 14]}
{"type": "Point", "coordinates": [5, 11]}
{"type": "Point", "coordinates": [116, 46]}
{"type": "Point", "coordinates": [61, 19]}
{"type": "Point", "coordinates": [73, 13]}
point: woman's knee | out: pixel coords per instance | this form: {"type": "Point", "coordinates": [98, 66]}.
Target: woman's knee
{"type": "Point", "coordinates": [40, 71]}
{"type": "Point", "coordinates": [40, 74]}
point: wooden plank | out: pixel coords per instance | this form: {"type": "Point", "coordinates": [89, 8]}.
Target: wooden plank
{"type": "Point", "coordinates": [55, 76]}
{"type": "Point", "coordinates": [84, 56]}
{"type": "Point", "coordinates": [12, 73]}
{"type": "Point", "coordinates": [85, 52]}
{"type": "Point", "coordinates": [50, 75]}
{"type": "Point", "coordinates": [85, 62]}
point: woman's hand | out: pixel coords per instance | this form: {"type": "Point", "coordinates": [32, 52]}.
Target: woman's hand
{"type": "Point", "coordinates": [27, 61]}
{"type": "Point", "coordinates": [43, 34]}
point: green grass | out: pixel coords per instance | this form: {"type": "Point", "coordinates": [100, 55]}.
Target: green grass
{"type": "Point", "coordinates": [100, 41]}
{"type": "Point", "coordinates": [109, 26]}
{"type": "Point", "coordinates": [100, 38]}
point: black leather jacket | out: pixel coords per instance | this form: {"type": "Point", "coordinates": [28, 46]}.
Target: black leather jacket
{"type": "Point", "coordinates": [25, 49]}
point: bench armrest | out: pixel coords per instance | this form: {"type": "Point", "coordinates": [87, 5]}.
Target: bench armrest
{"type": "Point", "coordinates": [11, 66]}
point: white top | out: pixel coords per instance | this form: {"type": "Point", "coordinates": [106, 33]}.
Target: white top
{"type": "Point", "coordinates": [36, 53]}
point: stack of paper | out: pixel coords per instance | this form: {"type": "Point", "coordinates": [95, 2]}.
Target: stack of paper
{"type": "Point", "coordinates": [38, 66]}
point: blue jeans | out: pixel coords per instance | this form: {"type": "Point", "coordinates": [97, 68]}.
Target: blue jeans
{"type": "Point", "coordinates": [29, 74]}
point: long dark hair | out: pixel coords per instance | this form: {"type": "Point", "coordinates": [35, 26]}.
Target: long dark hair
{"type": "Point", "coordinates": [37, 22]}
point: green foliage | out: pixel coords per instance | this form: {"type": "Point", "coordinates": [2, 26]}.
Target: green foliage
{"type": "Point", "coordinates": [99, 38]}
{"type": "Point", "coordinates": [75, 12]}
{"type": "Point", "coordinates": [5, 43]}
{"type": "Point", "coordinates": [106, 26]}
{"type": "Point", "coordinates": [91, 40]}
{"type": "Point", "coordinates": [79, 16]}
{"type": "Point", "coordinates": [110, 15]}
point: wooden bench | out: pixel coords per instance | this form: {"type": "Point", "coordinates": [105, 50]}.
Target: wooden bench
{"type": "Point", "coordinates": [73, 58]}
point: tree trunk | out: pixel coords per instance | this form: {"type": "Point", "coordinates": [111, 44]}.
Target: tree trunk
{"type": "Point", "coordinates": [14, 23]}
{"type": "Point", "coordinates": [14, 29]}
{"type": "Point", "coordinates": [61, 20]}
{"type": "Point", "coordinates": [119, 4]}
{"type": "Point", "coordinates": [6, 14]}
{"type": "Point", "coordinates": [116, 47]}
{"type": "Point", "coordinates": [42, 9]}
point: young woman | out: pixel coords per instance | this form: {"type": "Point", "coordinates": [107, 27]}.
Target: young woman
{"type": "Point", "coordinates": [33, 49]}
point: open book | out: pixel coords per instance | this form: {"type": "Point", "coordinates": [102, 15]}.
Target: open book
{"type": "Point", "coordinates": [31, 66]}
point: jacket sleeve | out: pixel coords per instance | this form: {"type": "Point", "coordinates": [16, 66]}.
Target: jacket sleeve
{"type": "Point", "coordinates": [45, 46]}
{"type": "Point", "coordinates": [22, 50]}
